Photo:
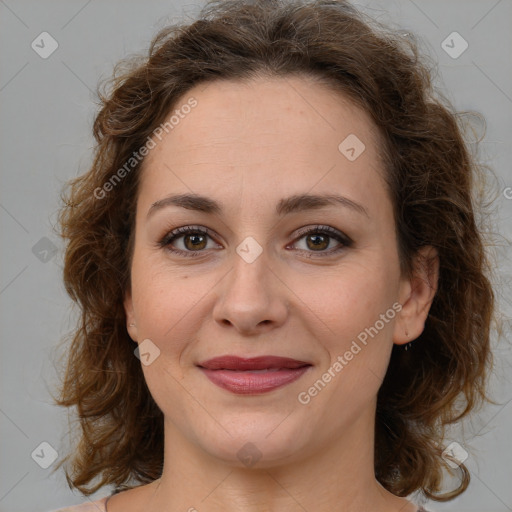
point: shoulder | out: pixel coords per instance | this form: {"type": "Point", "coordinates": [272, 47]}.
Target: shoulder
{"type": "Point", "coordinates": [89, 506]}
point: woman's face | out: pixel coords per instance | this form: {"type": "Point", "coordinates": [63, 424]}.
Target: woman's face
{"type": "Point", "coordinates": [256, 284]}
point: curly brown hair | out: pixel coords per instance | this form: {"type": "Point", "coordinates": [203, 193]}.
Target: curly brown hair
{"type": "Point", "coordinates": [431, 174]}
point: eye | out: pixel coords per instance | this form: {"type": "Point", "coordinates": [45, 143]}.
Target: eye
{"type": "Point", "coordinates": [194, 240]}
{"type": "Point", "coordinates": [318, 238]}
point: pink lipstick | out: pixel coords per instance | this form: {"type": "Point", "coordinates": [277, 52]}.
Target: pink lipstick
{"type": "Point", "coordinates": [255, 375]}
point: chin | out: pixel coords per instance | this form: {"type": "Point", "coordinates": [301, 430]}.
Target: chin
{"type": "Point", "coordinates": [260, 445]}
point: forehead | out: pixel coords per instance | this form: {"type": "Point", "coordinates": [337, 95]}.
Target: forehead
{"type": "Point", "coordinates": [269, 133]}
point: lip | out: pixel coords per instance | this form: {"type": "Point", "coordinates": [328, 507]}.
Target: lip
{"type": "Point", "coordinates": [231, 362]}
{"type": "Point", "coordinates": [255, 375]}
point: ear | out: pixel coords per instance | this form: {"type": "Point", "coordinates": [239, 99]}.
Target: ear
{"type": "Point", "coordinates": [131, 324]}
{"type": "Point", "coordinates": [416, 295]}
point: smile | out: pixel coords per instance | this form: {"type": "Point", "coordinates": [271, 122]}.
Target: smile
{"type": "Point", "coordinates": [253, 376]}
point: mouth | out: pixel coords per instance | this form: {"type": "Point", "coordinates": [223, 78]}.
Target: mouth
{"type": "Point", "coordinates": [255, 375]}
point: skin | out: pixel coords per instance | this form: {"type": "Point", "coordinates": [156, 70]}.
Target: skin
{"type": "Point", "coordinates": [247, 146]}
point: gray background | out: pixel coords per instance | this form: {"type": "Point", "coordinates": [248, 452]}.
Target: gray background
{"type": "Point", "coordinates": [47, 108]}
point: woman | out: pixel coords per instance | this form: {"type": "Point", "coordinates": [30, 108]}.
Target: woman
{"type": "Point", "coordinates": [283, 289]}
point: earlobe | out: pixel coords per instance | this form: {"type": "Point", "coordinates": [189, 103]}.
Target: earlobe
{"type": "Point", "coordinates": [417, 294]}
{"type": "Point", "coordinates": [131, 324]}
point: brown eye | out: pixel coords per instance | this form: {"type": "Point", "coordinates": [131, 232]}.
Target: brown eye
{"type": "Point", "coordinates": [195, 240]}
{"type": "Point", "coordinates": [318, 239]}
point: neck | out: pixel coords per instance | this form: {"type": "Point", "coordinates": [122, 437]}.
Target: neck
{"type": "Point", "coordinates": [332, 476]}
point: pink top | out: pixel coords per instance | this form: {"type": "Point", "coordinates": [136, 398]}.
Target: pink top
{"type": "Point", "coordinates": [91, 506]}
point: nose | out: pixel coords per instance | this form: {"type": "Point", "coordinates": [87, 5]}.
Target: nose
{"type": "Point", "coordinates": [252, 298]}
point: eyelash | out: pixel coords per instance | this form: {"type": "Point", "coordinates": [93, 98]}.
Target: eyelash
{"type": "Point", "coordinates": [325, 230]}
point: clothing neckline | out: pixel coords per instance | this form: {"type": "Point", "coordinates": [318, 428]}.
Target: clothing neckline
{"type": "Point", "coordinates": [105, 500]}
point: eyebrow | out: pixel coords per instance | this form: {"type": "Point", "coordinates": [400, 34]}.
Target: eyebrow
{"type": "Point", "coordinates": [286, 206]}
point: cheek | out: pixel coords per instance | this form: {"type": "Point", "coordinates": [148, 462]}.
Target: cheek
{"type": "Point", "coordinates": [350, 299]}
{"type": "Point", "coordinates": [160, 300]}
{"type": "Point", "coordinates": [357, 343]}
{"type": "Point", "coordinates": [354, 313]}
{"type": "Point", "coordinates": [160, 295]}
{"type": "Point", "coordinates": [170, 305]}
